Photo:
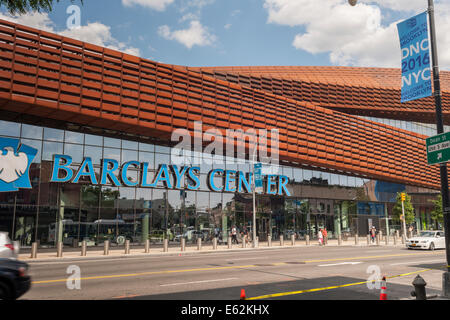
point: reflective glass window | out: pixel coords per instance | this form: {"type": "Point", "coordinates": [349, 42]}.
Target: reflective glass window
{"type": "Point", "coordinates": [162, 149]}
{"type": "Point", "coordinates": [147, 157]}
{"type": "Point", "coordinates": [51, 134]}
{"type": "Point", "coordinates": [110, 153]}
{"type": "Point", "coordinates": [129, 155]}
{"type": "Point", "coordinates": [31, 132]}
{"type": "Point", "coordinates": [298, 175]}
{"type": "Point", "coordinates": [131, 145]}
{"type": "Point", "coordinates": [161, 159]}
{"type": "Point", "coordinates": [109, 197]}
{"type": "Point", "coordinates": [51, 148]}
{"type": "Point", "coordinates": [146, 147]}
{"type": "Point", "coordinates": [75, 151]}
{"type": "Point", "coordinates": [111, 142]}
{"type": "Point", "coordinates": [74, 137]}
{"type": "Point", "coordinates": [10, 129]}
{"type": "Point", "coordinates": [93, 140]}
{"type": "Point", "coordinates": [95, 153]}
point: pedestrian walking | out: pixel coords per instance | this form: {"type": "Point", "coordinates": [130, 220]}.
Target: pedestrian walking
{"type": "Point", "coordinates": [320, 237]}
{"type": "Point", "coordinates": [325, 236]}
{"type": "Point", "coordinates": [234, 235]}
{"type": "Point", "coordinates": [373, 233]}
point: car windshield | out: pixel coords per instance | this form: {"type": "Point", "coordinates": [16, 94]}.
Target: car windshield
{"type": "Point", "coordinates": [427, 234]}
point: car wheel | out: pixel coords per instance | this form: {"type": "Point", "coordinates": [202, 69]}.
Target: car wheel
{"type": "Point", "coordinates": [120, 240]}
{"type": "Point", "coordinates": [432, 246]}
{"type": "Point", "coordinates": [5, 291]}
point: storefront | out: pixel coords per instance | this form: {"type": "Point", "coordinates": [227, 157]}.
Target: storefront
{"type": "Point", "coordinates": [72, 199]}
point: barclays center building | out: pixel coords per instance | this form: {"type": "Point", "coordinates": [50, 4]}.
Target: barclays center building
{"type": "Point", "coordinates": [86, 150]}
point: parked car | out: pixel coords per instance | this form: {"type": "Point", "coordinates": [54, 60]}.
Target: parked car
{"type": "Point", "coordinates": [14, 279]}
{"type": "Point", "coordinates": [8, 249]}
{"type": "Point", "coordinates": [427, 240]}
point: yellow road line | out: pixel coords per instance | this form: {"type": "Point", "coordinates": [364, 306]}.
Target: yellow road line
{"type": "Point", "coordinates": [144, 274]}
{"type": "Point", "coordinates": [281, 294]}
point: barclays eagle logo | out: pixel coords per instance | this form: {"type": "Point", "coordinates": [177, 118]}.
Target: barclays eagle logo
{"type": "Point", "coordinates": [15, 162]}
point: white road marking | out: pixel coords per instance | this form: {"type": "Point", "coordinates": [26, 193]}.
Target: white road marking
{"type": "Point", "coordinates": [193, 282]}
{"type": "Point", "coordinates": [412, 262]}
{"type": "Point", "coordinates": [338, 264]}
{"type": "Point", "coordinates": [247, 258]}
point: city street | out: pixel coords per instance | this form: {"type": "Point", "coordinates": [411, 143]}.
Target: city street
{"type": "Point", "coordinates": [279, 273]}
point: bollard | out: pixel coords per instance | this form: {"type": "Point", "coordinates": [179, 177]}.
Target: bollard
{"type": "Point", "coordinates": [307, 239]}
{"type": "Point", "coordinates": [257, 242]}
{"type": "Point", "coordinates": [397, 234]}
{"type": "Point", "coordinates": [403, 239]}
{"type": "Point", "coordinates": [59, 249]}
{"type": "Point", "coordinates": [377, 239]}
{"type": "Point", "coordinates": [83, 248]}
{"type": "Point", "coordinates": [269, 241]}
{"type": "Point", "coordinates": [215, 244]}
{"type": "Point", "coordinates": [386, 239]}
{"type": "Point", "coordinates": [166, 245]}
{"type": "Point", "coordinates": [230, 245]}
{"type": "Point", "coordinates": [199, 243]}
{"type": "Point", "coordinates": [419, 288]}
{"type": "Point", "coordinates": [106, 248]}
{"type": "Point", "coordinates": [356, 239]}
{"type": "Point", "coordinates": [281, 240]}
{"type": "Point", "coordinates": [395, 240]}
{"type": "Point", "coordinates": [127, 246]}
{"type": "Point", "coordinates": [368, 240]}
{"type": "Point", "coordinates": [183, 244]}
{"type": "Point", "coordinates": [293, 240]}
{"type": "Point", "coordinates": [34, 250]}
{"type": "Point", "coordinates": [244, 240]}
{"type": "Point", "coordinates": [339, 239]}
{"type": "Point", "coordinates": [147, 246]}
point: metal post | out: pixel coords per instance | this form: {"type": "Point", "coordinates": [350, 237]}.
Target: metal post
{"type": "Point", "coordinates": [127, 246]}
{"type": "Point", "coordinates": [307, 239]}
{"type": "Point", "coordinates": [293, 239]}
{"type": "Point", "coordinates": [230, 245]}
{"type": "Point", "coordinates": [33, 250]}
{"type": "Point", "coordinates": [147, 246]}
{"type": "Point", "coordinates": [440, 129]}
{"type": "Point", "coordinates": [59, 249]}
{"type": "Point", "coordinates": [368, 239]}
{"type": "Point", "coordinates": [269, 241]}
{"type": "Point", "coordinates": [281, 240]}
{"type": "Point", "coordinates": [183, 244]}
{"type": "Point", "coordinates": [199, 243]}
{"type": "Point", "coordinates": [244, 240]}
{"type": "Point", "coordinates": [83, 248]}
{"type": "Point", "coordinates": [254, 197]}
{"type": "Point", "coordinates": [356, 239]}
{"type": "Point", "coordinates": [166, 245]}
{"type": "Point", "coordinates": [214, 243]}
{"type": "Point", "coordinates": [106, 248]}
{"type": "Point", "coordinates": [387, 239]}
{"type": "Point", "coordinates": [377, 238]}
{"type": "Point", "coordinates": [339, 239]}
{"type": "Point", "coordinates": [395, 239]}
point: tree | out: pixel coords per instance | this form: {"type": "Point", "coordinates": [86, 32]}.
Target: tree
{"type": "Point", "coordinates": [409, 209]}
{"type": "Point", "coordinates": [437, 213]}
{"type": "Point", "coordinates": [24, 6]}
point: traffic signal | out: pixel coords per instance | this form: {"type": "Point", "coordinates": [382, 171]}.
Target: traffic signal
{"type": "Point", "coordinates": [403, 196]}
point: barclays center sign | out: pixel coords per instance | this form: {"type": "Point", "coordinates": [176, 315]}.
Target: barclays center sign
{"type": "Point", "coordinates": [168, 176]}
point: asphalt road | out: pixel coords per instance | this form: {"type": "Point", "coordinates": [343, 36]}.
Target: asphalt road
{"type": "Point", "coordinates": [323, 273]}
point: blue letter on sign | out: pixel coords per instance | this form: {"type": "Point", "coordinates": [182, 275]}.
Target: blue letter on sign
{"type": "Point", "coordinates": [57, 165]}
{"type": "Point", "coordinates": [416, 72]}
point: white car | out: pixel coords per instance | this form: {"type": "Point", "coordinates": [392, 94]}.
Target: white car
{"type": "Point", "coordinates": [429, 240]}
{"type": "Point", "coordinates": [8, 249]}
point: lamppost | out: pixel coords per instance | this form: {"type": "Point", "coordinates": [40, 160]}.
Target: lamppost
{"type": "Point", "coordinates": [440, 129]}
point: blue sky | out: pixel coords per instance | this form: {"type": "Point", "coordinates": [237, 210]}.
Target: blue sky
{"type": "Point", "coordinates": [247, 32]}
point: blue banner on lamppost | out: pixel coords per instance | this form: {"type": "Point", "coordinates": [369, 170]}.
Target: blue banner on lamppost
{"type": "Point", "coordinates": [416, 71]}
{"type": "Point", "coordinates": [258, 178]}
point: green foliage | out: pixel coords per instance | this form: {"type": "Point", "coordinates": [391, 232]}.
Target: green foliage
{"type": "Point", "coordinates": [437, 213]}
{"type": "Point", "coordinates": [24, 6]}
{"type": "Point", "coordinates": [409, 209]}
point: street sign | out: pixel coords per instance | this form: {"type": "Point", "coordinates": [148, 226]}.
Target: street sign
{"type": "Point", "coordinates": [438, 148]}
{"type": "Point", "coordinates": [258, 178]}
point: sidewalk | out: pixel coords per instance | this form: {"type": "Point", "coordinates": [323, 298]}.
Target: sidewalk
{"type": "Point", "coordinates": [119, 252]}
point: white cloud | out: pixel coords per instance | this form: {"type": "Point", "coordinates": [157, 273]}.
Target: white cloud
{"type": "Point", "coordinates": [159, 5]}
{"type": "Point", "coordinates": [196, 34]}
{"type": "Point", "coordinates": [354, 35]}
{"type": "Point", "coordinates": [227, 26]}
{"type": "Point", "coordinates": [95, 33]}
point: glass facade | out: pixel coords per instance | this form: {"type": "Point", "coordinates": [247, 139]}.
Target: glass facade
{"type": "Point", "coordinates": [69, 212]}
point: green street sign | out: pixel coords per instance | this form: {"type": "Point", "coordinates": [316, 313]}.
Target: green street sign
{"type": "Point", "coordinates": [438, 148]}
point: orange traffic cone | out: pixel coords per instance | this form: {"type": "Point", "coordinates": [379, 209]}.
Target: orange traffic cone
{"type": "Point", "coordinates": [242, 294]}
{"type": "Point", "coordinates": [383, 294]}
